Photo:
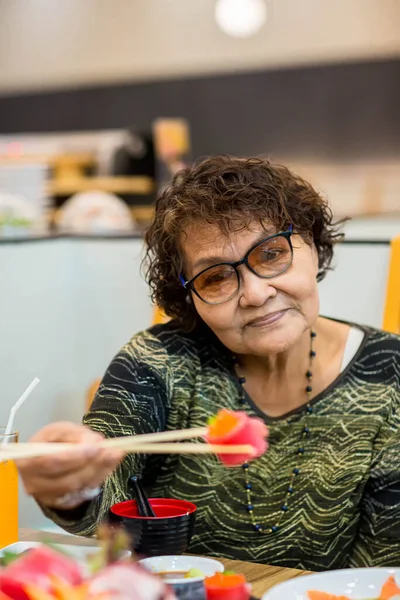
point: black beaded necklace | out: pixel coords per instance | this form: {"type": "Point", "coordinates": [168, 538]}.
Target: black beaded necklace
{"type": "Point", "coordinates": [299, 452]}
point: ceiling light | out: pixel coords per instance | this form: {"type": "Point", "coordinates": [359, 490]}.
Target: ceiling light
{"type": "Point", "coordinates": [241, 18]}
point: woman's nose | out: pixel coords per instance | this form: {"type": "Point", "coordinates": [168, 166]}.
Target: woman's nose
{"type": "Point", "coordinates": [254, 290]}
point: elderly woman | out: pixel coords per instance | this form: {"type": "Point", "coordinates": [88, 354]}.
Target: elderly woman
{"type": "Point", "coordinates": [234, 256]}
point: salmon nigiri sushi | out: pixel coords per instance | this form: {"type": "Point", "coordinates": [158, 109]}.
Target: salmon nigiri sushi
{"type": "Point", "coordinates": [236, 427]}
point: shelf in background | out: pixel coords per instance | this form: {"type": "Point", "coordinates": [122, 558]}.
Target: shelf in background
{"type": "Point", "coordinates": [116, 185]}
{"type": "Point", "coordinates": [143, 213]}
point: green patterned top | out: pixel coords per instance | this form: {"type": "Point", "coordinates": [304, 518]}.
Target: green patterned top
{"type": "Point", "coordinates": [345, 506]}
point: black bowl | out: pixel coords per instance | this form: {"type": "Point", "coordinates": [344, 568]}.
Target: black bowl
{"type": "Point", "coordinates": [168, 533]}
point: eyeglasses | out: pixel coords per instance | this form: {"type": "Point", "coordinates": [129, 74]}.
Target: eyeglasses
{"type": "Point", "coordinates": [268, 258]}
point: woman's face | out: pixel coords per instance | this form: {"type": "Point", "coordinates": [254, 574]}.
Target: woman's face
{"type": "Point", "coordinates": [266, 316]}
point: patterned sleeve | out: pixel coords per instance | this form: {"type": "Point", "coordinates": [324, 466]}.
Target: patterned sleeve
{"type": "Point", "coordinates": [378, 540]}
{"type": "Point", "coordinates": [133, 398]}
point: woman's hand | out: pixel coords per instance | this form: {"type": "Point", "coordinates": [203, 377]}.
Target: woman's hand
{"type": "Point", "coordinates": [50, 478]}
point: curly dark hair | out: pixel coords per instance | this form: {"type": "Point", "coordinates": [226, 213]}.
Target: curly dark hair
{"type": "Point", "coordinates": [231, 193]}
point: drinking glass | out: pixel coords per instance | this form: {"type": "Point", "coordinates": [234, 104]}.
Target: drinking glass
{"type": "Point", "coordinates": [8, 495]}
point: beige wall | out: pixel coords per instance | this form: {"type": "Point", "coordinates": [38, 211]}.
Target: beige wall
{"type": "Point", "coordinates": [52, 43]}
{"type": "Point", "coordinates": [354, 188]}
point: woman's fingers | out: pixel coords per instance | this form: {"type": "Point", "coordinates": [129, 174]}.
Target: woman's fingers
{"type": "Point", "coordinates": [86, 466]}
{"type": "Point", "coordinates": [64, 431]}
{"type": "Point", "coordinates": [75, 474]}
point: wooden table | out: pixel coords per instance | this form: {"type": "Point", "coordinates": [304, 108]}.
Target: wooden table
{"type": "Point", "coordinates": [261, 577]}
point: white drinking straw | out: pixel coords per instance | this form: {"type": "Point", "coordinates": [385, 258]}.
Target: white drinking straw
{"type": "Point", "coordinates": [18, 405]}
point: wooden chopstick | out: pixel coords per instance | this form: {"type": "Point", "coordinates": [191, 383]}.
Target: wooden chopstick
{"type": "Point", "coordinates": [122, 441]}
{"type": "Point", "coordinates": [161, 436]}
{"type": "Point", "coordinates": [118, 442]}
{"type": "Point", "coordinates": [32, 450]}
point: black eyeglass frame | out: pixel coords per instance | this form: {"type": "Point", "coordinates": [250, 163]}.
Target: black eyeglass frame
{"type": "Point", "coordinates": [188, 285]}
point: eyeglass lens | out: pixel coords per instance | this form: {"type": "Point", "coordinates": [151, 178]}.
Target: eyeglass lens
{"type": "Point", "coordinates": [221, 282]}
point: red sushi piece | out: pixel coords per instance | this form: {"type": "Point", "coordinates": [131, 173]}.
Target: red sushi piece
{"type": "Point", "coordinates": [237, 428]}
{"type": "Point", "coordinates": [38, 567]}
{"type": "Point", "coordinates": [225, 586]}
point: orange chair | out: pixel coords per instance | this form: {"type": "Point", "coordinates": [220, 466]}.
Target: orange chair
{"type": "Point", "coordinates": [391, 320]}
{"type": "Point", "coordinates": [159, 316]}
{"type": "Point", "coordinates": [92, 391]}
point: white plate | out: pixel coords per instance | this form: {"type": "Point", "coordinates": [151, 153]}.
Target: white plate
{"type": "Point", "coordinates": [158, 564]}
{"type": "Point", "coordinates": [357, 584]}
{"type": "Point", "coordinates": [79, 553]}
